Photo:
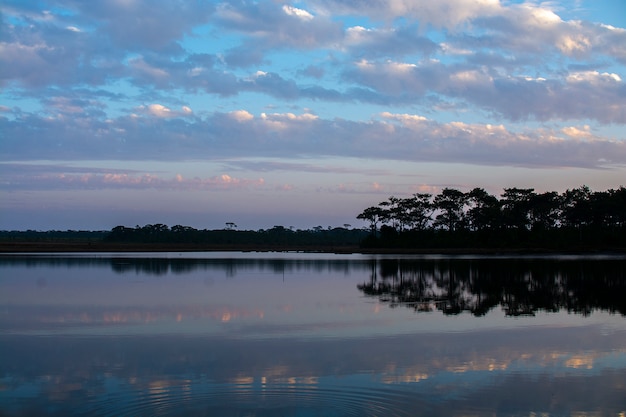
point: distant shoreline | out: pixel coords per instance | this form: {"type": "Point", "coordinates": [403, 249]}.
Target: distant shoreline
{"type": "Point", "coordinates": [104, 247]}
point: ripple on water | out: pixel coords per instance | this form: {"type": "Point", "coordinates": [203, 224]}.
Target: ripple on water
{"type": "Point", "coordinates": [257, 399]}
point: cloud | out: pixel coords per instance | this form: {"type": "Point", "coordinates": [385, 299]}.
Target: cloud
{"type": "Point", "coordinates": [268, 24]}
{"type": "Point", "coordinates": [160, 111]}
{"type": "Point", "coordinates": [241, 115]}
{"type": "Point", "coordinates": [583, 132]}
{"type": "Point", "coordinates": [442, 13]}
{"type": "Point", "coordinates": [38, 51]}
{"type": "Point", "coordinates": [579, 95]}
{"type": "Point", "coordinates": [49, 177]}
{"type": "Point", "coordinates": [145, 24]}
{"type": "Point", "coordinates": [493, 45]}
{"type": "Point", "coordinates": [387, 42]}
{"type": "Point", "coordinates": [154, 74]}
{"type": "Point", "coordinates": [77, 76]}
{"type": "Point", "coordinates": [529, 34]}
{"type": "Point", "coordinates": [396, 136]}
{"type": "Point", "coordinates": [314, 71]}
{"type": "Point", "coordinates": [273, 166]}
{"type": "Point", "coordinates": [299, 13]}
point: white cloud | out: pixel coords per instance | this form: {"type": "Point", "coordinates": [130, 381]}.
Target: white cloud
{"type": "Point", "coordinates": [241, 115]}
{"type": "Point", "coordinates": [163, 112]}
{"type": "Point", "coordinates": [306, 117]}
{"type": "Point", "coordinates": [593, 77]}
{"type": "Point", "coordinates": [583, 132]}
{"type": "Point", "coordinates": [537, 16]}
{"type": "Point", "coordinates": [406, 119]}
{"type": "Point", "coordinates": [299, 13]}
{"type": "Point", "coordinates": [159, 110]}
{"type": "Point", "coordinates": [463, 79]}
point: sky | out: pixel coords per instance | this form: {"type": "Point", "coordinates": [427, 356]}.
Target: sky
{"type": "Point", "coordinates": [299, 113]}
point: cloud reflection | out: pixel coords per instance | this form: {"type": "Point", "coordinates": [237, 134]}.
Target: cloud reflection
{"type": "Point", "coordinates": [462, 371]}
{"type": "Point", "coordinates": [150, 337]}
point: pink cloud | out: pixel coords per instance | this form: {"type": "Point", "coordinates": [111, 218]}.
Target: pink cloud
{"type": "Point", "coordinates": [124, 180]}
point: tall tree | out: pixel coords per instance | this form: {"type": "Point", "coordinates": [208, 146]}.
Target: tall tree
{"type": "Point", "coordinates": [392, 212]}
{"type": "Point", "coordinates": [516, 207]}
{"type": "Point", "coordinates": [372, 215]}
{"type": "Point", "coordinates": [484, 212]}
{"type": "Point", "coordinates": [544, 210]}
{"type": "Point", "coordinates": [418, 210]}
{"type": "Point", "coordinates": [617, 206]}
{"type": "Point", "coordinates": [450, 203]}
{"type": "Point", "coordinates": [576, 207]}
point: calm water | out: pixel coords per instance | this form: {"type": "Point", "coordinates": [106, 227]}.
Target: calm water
{"type": "Point", "coordinates": [291, 334]}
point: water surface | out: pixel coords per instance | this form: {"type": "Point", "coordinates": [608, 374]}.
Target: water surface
{"type": "Point", "coordinates": [293, 334]}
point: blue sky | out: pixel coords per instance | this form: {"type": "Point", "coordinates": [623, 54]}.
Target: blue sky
{"type": "Point", "coordinates": [299, 113]}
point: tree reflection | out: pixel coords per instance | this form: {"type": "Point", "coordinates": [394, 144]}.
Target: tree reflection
{"type": "Point", "coordinates": [230, 266]}
{"type": "Point", "coordinates": [519, 286]}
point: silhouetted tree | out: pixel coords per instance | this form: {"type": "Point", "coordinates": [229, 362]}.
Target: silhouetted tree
{"type": "Point", "coordinates": [516, 203]}
{"type": "Point", "coordinates": [617, 207]}
{"type": "Point", "coordinates": [484, 212]}
{"type": "Point", "coordinates": [576, 207]}
{"type": "Point", "coordinates": [418, 211]}
{"type": "Point", "coordinates": [372, 215]}
{"type": "Point", "coordinates": [450, 203]}
{"type": "Point", "coordinates": [520, 218]}
{"type": "Point", "coordinates": [544, 210]}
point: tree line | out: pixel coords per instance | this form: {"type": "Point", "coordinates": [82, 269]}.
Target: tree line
{"type": "Point", "coordinates": [276, 237]}
{"type": "Point", "coordinates": [521, 217]}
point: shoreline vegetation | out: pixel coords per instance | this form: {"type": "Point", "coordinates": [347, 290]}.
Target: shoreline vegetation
{"type": "Point", "coordinates": [451, 222]}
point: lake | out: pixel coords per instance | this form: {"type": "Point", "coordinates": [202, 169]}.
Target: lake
{"type": "Point", "coordinates": [300, 334]}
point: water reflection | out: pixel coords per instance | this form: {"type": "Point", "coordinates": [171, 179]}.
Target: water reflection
{"type": "Point", "coordinates": [153, 264]}
{"type": "Point", "coordinates": [312, 336]}
{"type": "Point", "coordinates": [519, 286]}
{"type": "Point", "coordinates": [488, 373]}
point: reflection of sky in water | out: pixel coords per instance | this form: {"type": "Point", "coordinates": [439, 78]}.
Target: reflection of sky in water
{"type": "Point", "coordinates": [247, 300]}
{"type": "Point", "coordinates": [258, 340]}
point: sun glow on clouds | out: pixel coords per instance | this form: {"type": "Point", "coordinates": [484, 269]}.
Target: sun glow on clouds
{"type": "Point", "coordinates": [159, 110]}
{"type": "Point", "coordinates": [133, 181]}
{"type": "Point", "coordinates": [241, 115]}
{"type": "Point", "coordinates": [578, 133]}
